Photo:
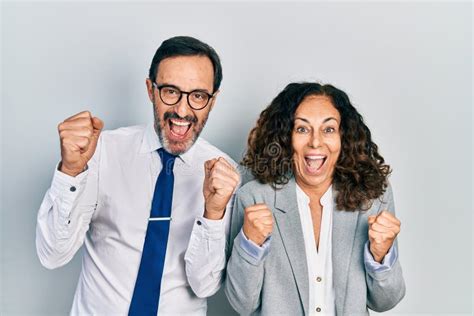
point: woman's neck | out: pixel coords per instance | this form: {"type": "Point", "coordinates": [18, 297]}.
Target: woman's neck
{"type": "Point", "coordinates": [314, 191]}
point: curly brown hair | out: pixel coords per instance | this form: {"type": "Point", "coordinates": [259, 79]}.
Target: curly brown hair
{"type": "Point", "coordinates": [360, 174]}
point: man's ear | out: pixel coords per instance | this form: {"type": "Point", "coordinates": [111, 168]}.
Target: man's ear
{"type": "Point", "coordinates": [213, 100]}
{"type": "Point", "coordinates": [149, 88]}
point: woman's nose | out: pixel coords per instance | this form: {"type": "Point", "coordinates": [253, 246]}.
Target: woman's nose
{"type": "Point", "coordinates": [315, 140]}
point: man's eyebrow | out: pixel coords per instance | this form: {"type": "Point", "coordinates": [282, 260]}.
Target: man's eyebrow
{"type": "Point", "coordinates": [167, 85]}
{"type": "Point", "coordinates": [175, 86]}
{"type": "Point", "coordinates": [202, 90]}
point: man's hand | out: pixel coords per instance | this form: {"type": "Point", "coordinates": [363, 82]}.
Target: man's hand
{"type": "Point", "coordinates": [220, 181]}
{"type": "Point", "coordinates": [78, 135]}
{"type": "Point", "coordinates": [258, 223]}
{"type": "Point", "coordinates": [383, 229]}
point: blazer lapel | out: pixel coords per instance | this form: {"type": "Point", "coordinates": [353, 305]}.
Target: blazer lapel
{"type": "Point", "coordinates": [343, 235]}
{"type": "Point", "coordinates": [289, 225]}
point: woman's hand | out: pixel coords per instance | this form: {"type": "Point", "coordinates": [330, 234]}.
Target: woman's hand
{"type": "Point", "coordinates": [258, 223]}
{"type": "Point", "coordinates": [383, 229]}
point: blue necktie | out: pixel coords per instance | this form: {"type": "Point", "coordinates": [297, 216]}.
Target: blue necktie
{"type": "Point", "coordinates": [146, 295]}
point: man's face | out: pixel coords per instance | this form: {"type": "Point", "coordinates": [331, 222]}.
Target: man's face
{"type": "Point", "coordinates": [178, 126]}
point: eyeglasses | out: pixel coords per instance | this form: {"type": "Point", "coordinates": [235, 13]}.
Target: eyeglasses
{"type": "Point", "coordinates": [171, 95]}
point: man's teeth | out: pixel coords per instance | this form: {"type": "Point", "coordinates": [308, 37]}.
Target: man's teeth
{"type": "Point", "coordinates": [181, 123]}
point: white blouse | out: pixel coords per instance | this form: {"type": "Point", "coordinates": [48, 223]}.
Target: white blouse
{"type": "Point", "coordinates": [321, 289]}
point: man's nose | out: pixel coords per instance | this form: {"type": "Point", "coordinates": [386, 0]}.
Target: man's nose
{"type": "Point", "coordinates": [182, 107]}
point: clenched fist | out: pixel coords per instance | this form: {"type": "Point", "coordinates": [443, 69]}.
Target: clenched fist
{"type": "Point", "coordinates": [383, 229]}
{"type": "Point", "coordinates": [258, 223]}
{"type": "Point", "coordinates": [220, 181]}
{"type": "Point", "coordinates": [78, 135]}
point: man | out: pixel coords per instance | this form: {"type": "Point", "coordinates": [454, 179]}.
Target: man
{"type": "Point", "coordinates": [150, 204]}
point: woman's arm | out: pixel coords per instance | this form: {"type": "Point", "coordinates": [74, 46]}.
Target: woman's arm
{"type": "Point", "coordinates": [245, 269]}
{"type": "Point", "coordinates": [385, 287]}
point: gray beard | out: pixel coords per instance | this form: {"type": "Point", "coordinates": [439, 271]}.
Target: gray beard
{"type": "Point", "coordinates": [197, 129]}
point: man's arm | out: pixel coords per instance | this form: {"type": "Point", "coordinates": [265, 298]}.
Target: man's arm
{"type": "Point", "coordinates": [205, 257]}
{"type": "Point", "coordinates": [68, 205]}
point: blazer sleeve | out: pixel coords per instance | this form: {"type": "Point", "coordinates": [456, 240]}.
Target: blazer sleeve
{"type": "Point", "coordinates": [386, 288]}
{"type": "Point", "coordinates": [244, 279]}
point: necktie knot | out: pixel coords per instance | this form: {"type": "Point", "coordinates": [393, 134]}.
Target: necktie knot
{"type": "Point", "coordinates": [167, 160]}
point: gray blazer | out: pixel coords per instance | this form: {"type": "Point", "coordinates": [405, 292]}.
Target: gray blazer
{"type": "Point", "coordinates": [278, 284]}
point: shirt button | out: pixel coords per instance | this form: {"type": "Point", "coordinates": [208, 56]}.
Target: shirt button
{"type": "Point", "coordinates": [72, 189]}
{"type": "Point", "coordinates": [198, 222]}
{"type": "Point", "coordinates": [319, 279]}
{"type": "Point", "coordinates": [318, 309]}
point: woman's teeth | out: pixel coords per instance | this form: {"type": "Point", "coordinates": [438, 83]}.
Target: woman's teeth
{"type": "Point", "coordinates": [315, 162]}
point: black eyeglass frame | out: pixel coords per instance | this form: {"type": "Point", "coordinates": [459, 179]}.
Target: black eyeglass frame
{"type": "Point", "coordinates": [159, 87]}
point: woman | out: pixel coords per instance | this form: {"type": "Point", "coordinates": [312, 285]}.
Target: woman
{"type": "Point", "coordinates": [315, 232]}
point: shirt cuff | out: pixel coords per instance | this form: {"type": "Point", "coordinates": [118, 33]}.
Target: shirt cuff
{"type": "Point", "coordinates": [252, 249]}
{"type": "Point", "coordinates": [210, 229]}
{"type": "Point", "coordinates": [388, 261]}
{"type": "Point", "coordinates": [67, 187]}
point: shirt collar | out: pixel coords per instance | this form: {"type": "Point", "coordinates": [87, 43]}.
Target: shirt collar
{"type": "Point", "coordinates": [151, 143]}
{"type": "Point", "coordinates": [325, 200]}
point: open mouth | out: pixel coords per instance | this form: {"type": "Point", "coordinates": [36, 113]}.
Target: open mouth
{"type": "Point", "coordinates": [314, 163]}
{"type": "Point", "coordinates": [179, 128]}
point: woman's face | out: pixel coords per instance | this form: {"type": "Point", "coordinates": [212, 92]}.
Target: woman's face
{"type": "Point", "coordinates": [316, 142]}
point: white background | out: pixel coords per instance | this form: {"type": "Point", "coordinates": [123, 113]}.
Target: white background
{"type": "Point", "coordinates": [406, 66]}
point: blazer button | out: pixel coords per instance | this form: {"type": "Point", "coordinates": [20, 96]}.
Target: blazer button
{"type": "Point", "coordinates": [72, 189]}
{"type": "Point", "coordinates": [318, 309]}
{"type": "Point", "coordinates": [319, 279]}
{"type": "Point", "coordinates": [199, 222]}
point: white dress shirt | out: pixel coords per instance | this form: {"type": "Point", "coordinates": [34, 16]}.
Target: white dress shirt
{"type": "Point", "coordinates": [319, 259]}
{"type": "Point", "coordinates": [107, 207]}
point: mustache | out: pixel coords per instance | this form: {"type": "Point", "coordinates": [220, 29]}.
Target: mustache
{"type": "Point", "coordinates": [174, 115]}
